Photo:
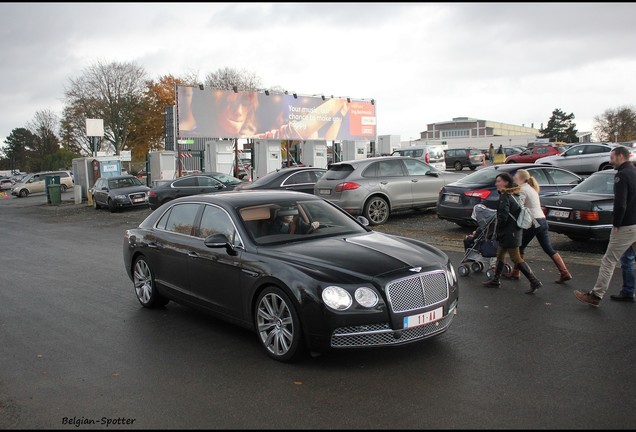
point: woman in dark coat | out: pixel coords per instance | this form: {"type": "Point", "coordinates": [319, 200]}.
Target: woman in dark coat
{"type": "Point", "coordinates": [509, 235]}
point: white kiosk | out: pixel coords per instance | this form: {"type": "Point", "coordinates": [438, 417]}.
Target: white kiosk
{"type": "Point", "coordinates": [163, 166]}
{"type": "Point", "coordinates": [313, 153]}
{"type": "Point", "coordinates": [267, 157]}
{"type": "Point", "coordinates": [219, 156]}
{"type": "Point", "coordinates": [354, 150]}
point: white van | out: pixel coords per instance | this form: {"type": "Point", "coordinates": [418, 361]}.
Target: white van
{"type": "Point", "coordinates": [34, 183]}
{"type": "Point", "coordinates": [431, 154]}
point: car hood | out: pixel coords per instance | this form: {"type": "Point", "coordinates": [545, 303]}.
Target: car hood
{"type": "Point", "coordinates": [373, 254]}
{"type": "Point", "coordinates": [129, 190]}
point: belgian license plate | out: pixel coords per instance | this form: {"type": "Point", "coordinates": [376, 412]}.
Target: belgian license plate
{"type": "Point", "coordinates": [559, 213]}
{"type": "Point", "coordinates": [451, 198]}
{"type": "Point", "coordinates": [324, 191]}
{"type": "Point", "coordinates": [139, 200]}
{"type": "Point", "coordinates": [424, 318]}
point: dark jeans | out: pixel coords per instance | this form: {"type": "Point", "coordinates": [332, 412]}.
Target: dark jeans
{"type": "Point", "coordinates": [627, 266]}
{"type": "Point", "coordinates": [542, 234]}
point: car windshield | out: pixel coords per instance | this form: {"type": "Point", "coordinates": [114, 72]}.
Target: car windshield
{"type": "Point", "coordinates": [294, 221]}
{"type": "Point", "coordinates": [225, 179]}
{"type": "Point", "coordinates": [119, 183]}
{"type": "Point", "coordinates": [599, 183]}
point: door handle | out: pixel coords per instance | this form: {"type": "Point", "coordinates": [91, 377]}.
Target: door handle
{"type": "Point", "coordinates": [153, 245]}
{"type": "Point", "coordinates": [193, 255]}
{"type": "Point", "coordinates": [384, 182]}
{"type": "Point", "coordinates": [414, 180]}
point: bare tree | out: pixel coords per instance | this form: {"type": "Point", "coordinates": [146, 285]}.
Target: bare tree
{"type": "Point", "coordinates": [621, 120]}
{"type": "Point", "coordinates": [226, 78]}
{"type": "Point", "coordinates": [44, 126]}
{"type": "Point", "coordinates": [109, 91]}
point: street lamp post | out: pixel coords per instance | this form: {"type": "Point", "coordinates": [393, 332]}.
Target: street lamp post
{"type": "Point", "coordinates": [616, 137]}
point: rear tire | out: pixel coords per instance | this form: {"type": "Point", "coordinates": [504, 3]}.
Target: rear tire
{"type": "Point", "coordinates": [473, 168]}
{"type": "Point", "coordinates": [63, 188]}
{"type": "Point", "coordinates": [458, 166]}
{"type": "Point", "coordinates": [376, 210]}
{"type": "Point", "coordinates": [144, 284]}
{"type": "Point", "coordinates": [606, 166]}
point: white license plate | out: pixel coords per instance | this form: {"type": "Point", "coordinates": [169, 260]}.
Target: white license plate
{"type": "Point", "coordinates": [139, 200]}
{"type": "Point", "coordinates": [424, 318]}
{"type": "Point", "coordinates": [559, 213]}
{"type": "Point", "coordinates": [324, 191]}
{"type": "Point", "coordinates": [451, 198]}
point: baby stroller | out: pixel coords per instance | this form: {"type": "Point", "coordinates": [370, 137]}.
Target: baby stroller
{"type": "Point", "coordinates": [481, 247]}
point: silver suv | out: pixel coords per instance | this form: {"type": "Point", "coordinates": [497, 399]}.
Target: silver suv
{"type": "Point", "coordinates": [583, 158]}
{"type": "Point", "coordinates": [377, 186]}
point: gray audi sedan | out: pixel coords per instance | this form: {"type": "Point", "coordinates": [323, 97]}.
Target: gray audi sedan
{"type": "Point", "coordinates": [375, 187]}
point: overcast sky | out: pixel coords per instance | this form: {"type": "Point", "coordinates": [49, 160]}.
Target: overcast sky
{"type": "Point", "coordinates": [422, 63]}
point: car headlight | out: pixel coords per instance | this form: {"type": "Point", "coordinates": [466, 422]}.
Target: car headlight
{"type": "Point", "coordinates": [120, 197]}
{"type": "Point", "coordinates": [366, 297]}
{"type": "Point", "coordinates": [336, 298]}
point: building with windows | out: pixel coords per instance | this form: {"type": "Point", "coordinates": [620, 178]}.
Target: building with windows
{"type": "Point", "coordinates": [472, 132]}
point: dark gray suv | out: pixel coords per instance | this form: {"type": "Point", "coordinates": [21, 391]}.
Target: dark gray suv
{"type": "Point", "coordinates": [463, 157]}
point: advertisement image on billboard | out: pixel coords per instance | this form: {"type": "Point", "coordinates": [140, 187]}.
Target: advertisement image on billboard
{"type": "Point", "coordinates": [229, 114]}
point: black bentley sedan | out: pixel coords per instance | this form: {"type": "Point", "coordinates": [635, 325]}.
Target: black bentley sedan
{"type": "Point", "coordinates": [299, 179]}
{"type": "Point", "coordinates": [296, 269]}
{"type": "Point", "coordinates": [191, 184]}
{"type": "Point", "coordinates": [585, 212]}
{"type": "Point", "coordinates": [456, 200]}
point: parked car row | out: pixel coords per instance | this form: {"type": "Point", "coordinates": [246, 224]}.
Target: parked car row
{"type": "Point", "coordinates": [36, 182]}
{"type": "Point", "coordinates": [584, 158]}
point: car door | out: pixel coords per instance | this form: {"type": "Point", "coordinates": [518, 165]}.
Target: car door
{"type": "Point", "coordinates": [99, 194]}
{"type": "Point", "coordinates": [571, 159]}
{"type": "Point", "coordinates": [425, 185]}
{"type": "Point", "coordinates": [595, 156]}
{"type": "Point", "coordinates": [215, 272]}
{"type": "Point", "coordinates": [546, 186]}
{"type": "Point", "coordinates": [184, 187]}
{"type": "Point", "coordinates": [209, 185]}
{"type": "Point", "coordinates": [392, 181]}
{"type": "Point", "coordinates": [170, 243]}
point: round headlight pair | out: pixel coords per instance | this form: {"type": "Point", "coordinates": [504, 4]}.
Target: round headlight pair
{"type": "Point", "coordinates": [339, 299]}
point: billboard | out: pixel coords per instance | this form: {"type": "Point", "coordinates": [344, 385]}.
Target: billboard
{"type": "Point", "coordinates": [229, 114]}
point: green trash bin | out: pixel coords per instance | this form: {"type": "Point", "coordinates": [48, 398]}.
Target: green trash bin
{"type": "Point", "coordinates": [55, 193]}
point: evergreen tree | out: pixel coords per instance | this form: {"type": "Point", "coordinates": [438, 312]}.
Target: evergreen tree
{"type": "Point", "coordinates": [560, 127]}
{"type": "Point", "coordinates": [17, 148]}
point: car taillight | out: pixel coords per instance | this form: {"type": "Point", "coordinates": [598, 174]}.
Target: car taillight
{"type": "Point", "coordinates": [347, 186]}
{"type": "Point", "coordinates": [544, 210]}
{"type": "Point", "coordinates": [427, 158]}
{"type": "Point", "coordinates": [586, 216]}
{"type": "Point", "coordinates": [483, 194]}
{"type": "Point", "coordinates": [152, 194]}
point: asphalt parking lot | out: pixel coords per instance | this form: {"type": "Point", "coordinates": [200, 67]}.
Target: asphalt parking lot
{"type": "Point", "coordinates": [78, 351]}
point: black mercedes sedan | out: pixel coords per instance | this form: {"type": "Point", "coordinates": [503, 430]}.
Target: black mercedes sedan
{"type": "Point", "coordinates": [585, 212]}
{"type": "Point", "coordinates": [191, 184]}
{"type": "Point", "coordinates": [299, 179]}
{"type": "Point", "coordinates": [294, 268]}
{"type": "Point", "coordinates": [456, 200]}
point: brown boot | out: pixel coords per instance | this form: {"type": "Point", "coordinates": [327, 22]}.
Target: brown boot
{"type": "Point", "coordinates": [563, 270]}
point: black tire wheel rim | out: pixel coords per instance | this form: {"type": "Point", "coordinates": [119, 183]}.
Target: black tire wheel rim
{"type": "Point", "coordinates": [458, 166]}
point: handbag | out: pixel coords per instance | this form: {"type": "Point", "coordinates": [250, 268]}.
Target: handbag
{"type": "Point", "coordinates": [525, 219]}
{"type": "Point", "coordinates": [488, 248]}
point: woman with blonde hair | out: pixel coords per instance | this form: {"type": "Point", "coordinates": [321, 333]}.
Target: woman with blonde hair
{"type": "Point", "coordinates": [530, 197]}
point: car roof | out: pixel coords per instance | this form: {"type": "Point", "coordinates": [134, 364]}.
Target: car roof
{"type": "Point", "coordinates": [372, 159]}
{"type": "Point", "coordinates": [242, 198]}
{"type": "Point", "coordinates": [119, 177]}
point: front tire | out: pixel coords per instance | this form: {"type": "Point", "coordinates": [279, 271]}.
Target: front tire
{"type": "Point", "coordinates": [376, 210]}
{"type": "Point", "coordinates": [458, 166]}
{"type": "Point", "coordinates": [95, 205]}
{"type": "Point", "coordinates": [277, 325]}
{"type": "Point", "coordinates": [112, 206]}
{"type": "Point", "coordinates": [144, 283]}
{"type": "Point", "coordinates": [24, 193]}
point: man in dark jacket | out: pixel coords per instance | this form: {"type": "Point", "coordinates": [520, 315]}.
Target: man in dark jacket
{"type": "Point", "coordinates": [623, 235]}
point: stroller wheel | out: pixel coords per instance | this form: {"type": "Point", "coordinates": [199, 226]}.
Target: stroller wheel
{"type": "Point", "coordinates": [477, 267]}
{"type": "Point", "coordinates": [507, 268]}
{"type": "Point", "coordinates": [463, 270]}
{"type": "Point", "coordinates": [490, 273]}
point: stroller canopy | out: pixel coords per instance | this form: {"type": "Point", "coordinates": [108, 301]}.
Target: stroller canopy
{"type": "Point", "coordinates": [483, 215]}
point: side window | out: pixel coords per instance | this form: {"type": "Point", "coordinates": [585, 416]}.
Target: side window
{"type": "Point", "coordinates": [371, 171]}
{"type": "Point", "coordinates": [302, 177]}
{"type": "Point", "coordinates": [418, 153]}
{"type": "Point", "coordinates": [317, 175]}
{"type": "Point", "coordinates": [541, 176]}
{"type": "Point", "coordinates": [592, 149]}
{"type": "Point", "coordinates": [562, 177]}
{"type": "Point", "coordinates": [390, 168]}
{"type": "Point", "coordinates": [575, 151]}
{"type": "Point", "coordinates": [542, 150]}
{"type": "Point", "coordinates": [187, 182]}
{"type": "Point", "coordinates": [216, 221]}
{"type": "Point", "coordinates": [416, 168]}
{"type": "Point", "coordinates": [62, 174]}
{"type": "Point", "coordinates": [181, 218]}
{"type": "Point", "coordinates": [207, 182]}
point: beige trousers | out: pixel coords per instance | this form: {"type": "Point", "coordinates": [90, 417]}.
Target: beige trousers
{"type": "Point", "coordinates": [618, 244]}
